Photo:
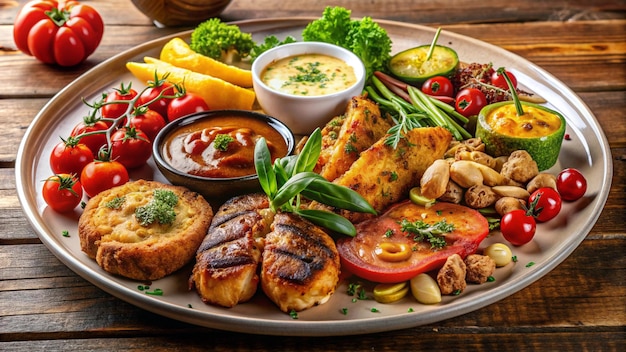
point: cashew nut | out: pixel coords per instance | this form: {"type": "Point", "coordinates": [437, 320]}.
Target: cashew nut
{"type": "Point", "coordinates": [435, 178]}
{"type": "Point", "coordinates": [541, 180]}
{"type": "Point", "coordinates": [465, 173]}
{"type": "Point", "coordinates": [507, 204]}
{"type": "Point", "coordinates": [511, 191]}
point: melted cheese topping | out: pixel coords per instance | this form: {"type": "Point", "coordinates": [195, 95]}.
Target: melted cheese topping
{"type": "Point", "coordinates": [534, 123]}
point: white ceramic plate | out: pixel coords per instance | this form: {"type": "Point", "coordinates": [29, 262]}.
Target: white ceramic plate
{"type": "Point", "coordinates": [587, 150]}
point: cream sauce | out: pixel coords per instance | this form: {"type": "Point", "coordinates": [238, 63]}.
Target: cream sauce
{"type": "Point", "coordinates": [309, 75]}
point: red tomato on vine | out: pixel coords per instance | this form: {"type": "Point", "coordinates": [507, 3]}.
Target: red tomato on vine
{"type": "Point", "coordinates": [62, 192]}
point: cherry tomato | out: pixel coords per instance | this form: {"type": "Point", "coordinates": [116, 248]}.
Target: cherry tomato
{"type": "Point", "coordinates": [438, 86]}
{"type": "Point", "coordinates": [186, 104]}
{"type": "Point", "coordinates": [98, 176]}
{"type": "Point", "coordinates": [62, 192]}
{"type": "Point", "coordinates": [571, 184]}
{"type": "Point", "coordinates": [499, 81]}
{"type": "Point", "coordinates": [148, 121]}
{"type": "Point", "coordinates": [469, 101]}
{"type": "Point", "coordinates": [131, 147]}
{"type": "Point", "coordinates": [64, 33]}
{"type": "Point", "coordinates": [518, 227]}
{"type": "Point", "coordinates": [156, 88]}
{"type": "Point", "coordinates": [94, 141]}
{"type": "Point", "coordinates": [546, 203]}
{"type": "Point", "coordinates": [115, 104]}
{"type": "Point", "coordinates": [69, 157]}
{"type": "Point", "coordinates": [376, 256]}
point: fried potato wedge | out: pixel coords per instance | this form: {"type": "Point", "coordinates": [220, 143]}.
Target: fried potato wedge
{"type": "Point", "coordinates": [178, 53]}
{"type": "Point", "coordinates": [347, 135]}
{"type": "Point", "coordinates": [217, 93]}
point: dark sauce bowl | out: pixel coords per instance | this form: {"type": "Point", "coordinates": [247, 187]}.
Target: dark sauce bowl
{"type": "Point", "coordinates": [215, 190]}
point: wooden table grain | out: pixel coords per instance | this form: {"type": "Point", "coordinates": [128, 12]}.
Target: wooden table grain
{"type": "Point", "coordinates": [579, 306]}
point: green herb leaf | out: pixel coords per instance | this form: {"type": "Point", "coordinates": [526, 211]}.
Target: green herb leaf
{"type": "Point", "coordinates": [293, 187]}
{"type": "Point", "coordinates": [264, 169]}
{"type": "Point", "coordinates": [331, 221]}
{"type": "Point", "coordinates": [338, 196]}
{"type": "Point", "coordinates": [433, 234]}
{"type": "Point", "coordinates": [307, 159]}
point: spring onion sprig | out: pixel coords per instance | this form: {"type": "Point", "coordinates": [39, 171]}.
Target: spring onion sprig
{"type": "Point", "coordinates": [512, 90]}
{"type": "Point", "coordinates": [413, 109]}
{"type": "Point", "coordinates": [289, 179]}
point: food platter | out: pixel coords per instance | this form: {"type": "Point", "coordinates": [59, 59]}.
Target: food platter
{"type": "Point", "coordinates": [586, 150]}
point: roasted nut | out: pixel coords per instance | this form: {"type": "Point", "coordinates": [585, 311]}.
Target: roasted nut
{"type": "Point", "coordinates": [451, 276]}
{"type": "Point", "coordinates": [541, 180]}
{"type": "Point", "coordinates": [435, 178]}
{"type": "Point", "coordinates": [479, 268]}
{"type": "Point", "coordinates": [511, 191]}
{"type": "Point", "coordinates": [453, 193]}
{"type": "Point", "coordinates": [520, 167]}
{"type": "Point", "coordinates": [507, 204]}
{"type": "Point", "coordinates": [480, 196]}
{"type": "Point", "coordinates": [425, 290]}
{"type": "Point", "coordinates": [477, 156]}
{"type": "Point", "coordinates": [465, 174]}
{"type": "Point", "coordinates": [499, 162]}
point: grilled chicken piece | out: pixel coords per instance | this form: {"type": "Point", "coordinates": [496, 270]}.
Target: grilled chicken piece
{"type": "Point", "coordinates": [225, 272]}
{"type": "Point", "coordinates": [347, 135]}
{"type": "Point", "coordinates": [300, 264]}
{"type": "Point", "coordinates": [383, 175]}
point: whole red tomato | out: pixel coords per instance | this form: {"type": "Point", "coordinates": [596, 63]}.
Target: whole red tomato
{"type": "Point", "coordinates": [469, 101]}
{"type": "Point", "coordinates": [518, 227]}
{"type": "Point", "coordinates": [499, 81]}
{"type": "Point", "coordinates": [187, 103]}
{"type": "Point", "coordinates": [131, 147]}
{"type": "Point", "coordinates": [63, 33]}
{"type": "Point", "coordinates": [438, 86]}
{"type": "Point", "coordinates": [571, 184]}
{"type": "Point", "coordinates": [158, 94]}
{"type": "Point", "coordinates": [116, 102]}
{"type": "Point", "coordinates": [69, 157]}
{"type": "Point", "coordinates": [148, 121]}
{"type": "Point", "coordinates": [98, 176]}
{"type": "Point", "coordinates": [62, 192]}
{"type": "Point", "coordinates": [91, 133]}
{"type": "Point", "coordinates": [546, 203]}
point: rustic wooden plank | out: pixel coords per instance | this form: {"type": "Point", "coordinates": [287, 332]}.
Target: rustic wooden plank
{"type": "Point", "coordinates": [414, 339]}
{"type": "Point", "coordinates": [53, 300]}
{"type": "Point", "coordinates": [421, 11]}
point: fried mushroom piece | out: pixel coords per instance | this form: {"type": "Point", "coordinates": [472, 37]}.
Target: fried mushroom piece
{"type": "Point", "coordinates": [479, 268]}
{"type": "Point", "coordinates": [451, 276]}
{"type": "Point", "coordinates": [520, 167]}
{"type": "Point", "coordinates": [480, 196]}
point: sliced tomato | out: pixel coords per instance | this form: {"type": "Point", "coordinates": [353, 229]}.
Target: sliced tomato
{"type": "Point", "coordinates": [361, 256]}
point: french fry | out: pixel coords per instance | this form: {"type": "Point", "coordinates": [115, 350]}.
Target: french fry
{"type": "Point", "coordinates": [217, 93]}
{"type": "Point", "coordinates": [178, 53]}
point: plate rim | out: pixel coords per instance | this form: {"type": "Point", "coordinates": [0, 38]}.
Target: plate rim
{"type": "Point", "coordinates": [295, 327]}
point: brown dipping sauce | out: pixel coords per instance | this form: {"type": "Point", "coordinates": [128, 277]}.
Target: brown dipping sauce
{"type": "Point", "coordinates": [193, 149]}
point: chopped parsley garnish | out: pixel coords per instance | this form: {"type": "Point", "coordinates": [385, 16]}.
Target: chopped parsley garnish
{"type": "Point", "coordinates": [530, 264]}
{"type": "Point", "coordinates": [65, 233]}
{"type": "Point", "coordinates": [160, 209]}
{"type": "Point", "coordinates": [115, 203]}
{"type": "Point", "coordinates": [374, 310]}
{"type": "Point", "coordinates": [293, 314]}
{"type": "Point", "coordinates": [222, 141]}
{"type": "Point", "coordinates": [344, 311]}
{"type": "Point", "coordinates": [431, 233]}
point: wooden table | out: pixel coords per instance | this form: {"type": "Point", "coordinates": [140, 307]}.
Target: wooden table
{"type": "Point", "coordinates": [580, 305]}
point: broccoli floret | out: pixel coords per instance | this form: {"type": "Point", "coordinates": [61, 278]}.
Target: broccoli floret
{"type": "Point", "coordinates": [364, 37]}
{"type": "Point", "coordinates": [221, 41]}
